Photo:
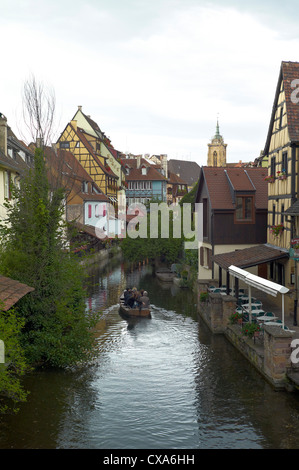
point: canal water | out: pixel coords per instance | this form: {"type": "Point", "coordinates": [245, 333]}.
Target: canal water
{"type": "Point", "coordinates": [159, 383]}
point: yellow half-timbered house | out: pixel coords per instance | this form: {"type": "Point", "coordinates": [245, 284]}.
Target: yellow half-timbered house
{"type": "Point", "coordinates": [282, 152]}
{"type": "Point", "coordinates": [84, 146]}
{"type": "Point", "coordinates": [103, 143]}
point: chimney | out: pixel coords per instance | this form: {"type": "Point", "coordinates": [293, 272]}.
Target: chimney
{"type": "Point", "coordinates": [79, 108]}
{"type": "Point", "coordinates": [164, 164]}
{"type": "Point", "coordinates": [138, 160]}
{"type": "Point", "coordinates": [74, 124]}
{"type": "Point", "coordinates": [3, 134]}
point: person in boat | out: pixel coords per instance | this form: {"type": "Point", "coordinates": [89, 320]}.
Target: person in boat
{"type": "Point", "coordinates": [127, 295]}
{"type": "Point", "coordinates": [144, 300]}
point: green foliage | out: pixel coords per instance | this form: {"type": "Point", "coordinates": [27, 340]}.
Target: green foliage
{"type": "Point", "coordinates": [139, 248]}
{"type": "Point", "coordinates": [57, 330]}
{"type": "Point", "coordinates": [250, 328]}
{"type": "Point", "coordinates": [190, 197]}
{"type": "Point", "coordinates": [203, 297]}
{"type": "Point", "coordinates": [15, 366]}
{"type": "Point", "coordinates": [234, 317]}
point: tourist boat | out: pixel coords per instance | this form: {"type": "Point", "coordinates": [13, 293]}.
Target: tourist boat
{"type": "Point", "coordinates": [133, 312]}
{"type": "Point", "coordinates": [165, 275]}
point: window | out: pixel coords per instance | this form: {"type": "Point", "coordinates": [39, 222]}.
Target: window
{"type": "Point", "coordinates": [244, 209]}
{"type": "Point", "coordinates": [215, 158]}
{"type": "Point", "coordinates": [85, 187]}
{"type": "Point", "coordinates": [280, 117]}
{"type": "Point", "coordinates": [273, 166]}
{"type": "Point", "coordinates": [65, 145]}
{"type": "Point", "coordinates": [6, 184]}
{"type": "Point", "coordinates": [143, 170]}
{"type": "Point", "coordinates": [282, 214]}
{"type": "Point", "coordinates": [284, 166]}
{"type": "Point", "coordinates": [89, 211]}
{"type": "Point", "coordinates": [273, 214]}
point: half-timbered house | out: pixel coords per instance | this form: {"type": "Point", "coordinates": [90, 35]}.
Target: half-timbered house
{"type": "Point", "coordinates": [282, 152]}
{"type": "Point", "coordinates": [84, 147]}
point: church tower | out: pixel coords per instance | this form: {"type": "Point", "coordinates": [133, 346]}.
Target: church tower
{"type": "Point", "coordinates": [217, 150]}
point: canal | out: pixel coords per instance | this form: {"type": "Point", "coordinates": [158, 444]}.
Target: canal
{"type": "Point", "coordinates": [163, 383]}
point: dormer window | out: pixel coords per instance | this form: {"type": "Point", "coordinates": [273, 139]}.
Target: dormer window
{"type": "Point", "coordinates": [244, 209]}
{"type": "Point", "coordinates": [144, 170]}
{"type": "Point", "coordinates": [85, 187]}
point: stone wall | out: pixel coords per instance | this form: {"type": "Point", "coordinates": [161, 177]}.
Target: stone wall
{"type": "Point", "coordinates": [271, 354]}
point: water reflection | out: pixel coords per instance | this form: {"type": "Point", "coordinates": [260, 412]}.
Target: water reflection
{"type": "Point", "coordinates": [164, 382]}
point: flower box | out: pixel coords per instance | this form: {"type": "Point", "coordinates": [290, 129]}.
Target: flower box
{"type": "Point", "coordinates": [277, 230]}
{"type": "Point", "coordinates": [269, 179]}
{"type": "Point", "coordinates": [281, 175]}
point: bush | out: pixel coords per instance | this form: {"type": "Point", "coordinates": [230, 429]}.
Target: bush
{"type": "Point", "coordinates": [250, 328]}
{"type": "Point", "coordinates": [204, 296]}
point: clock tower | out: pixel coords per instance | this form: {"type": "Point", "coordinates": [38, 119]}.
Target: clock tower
{"type": "Point", "coordinates": [217, 150]}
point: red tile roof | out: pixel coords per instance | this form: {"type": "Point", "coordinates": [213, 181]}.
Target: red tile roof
{"type": "Point", "coordinates": [11, 291]}
{"type": "Point", "coordinates": [136, 174]}
{"type": "Point", "coordinates": [71, 173]}
{"type": "Point", "coordinates": [249, 256]}
{"type": "Point", "coordinates": [242, 179]}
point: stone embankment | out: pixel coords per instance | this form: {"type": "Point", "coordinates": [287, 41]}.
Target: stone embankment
{"type": "Point", "coordinates": [270, 353]}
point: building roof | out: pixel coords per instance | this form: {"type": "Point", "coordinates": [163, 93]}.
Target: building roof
{"type": "Point", "coordinates": [175, 179]}
{"type": "Point", "coordinates": [188, 171]}
{"type": "Point", "coordinates": [11, 291]}
{"type": "Point", "coordinates": [289, 71]}
{"type": "Point", "coordinates": [293, 209]}
{"type": "Point", "coordinates": [222, 183]}
{"type": "Point", "coordinates": [81, 134]}
{"type": "Point", "coordinates": [248, 257]}
{"type": "Point", "coordinates": [66, 170]}
{"type": "Point", "coordinates": [136, 174]}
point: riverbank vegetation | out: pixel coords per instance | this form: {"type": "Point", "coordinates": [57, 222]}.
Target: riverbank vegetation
{"type": "Point", "coordinates": [50, 326]}
{"type": "Point", "coordinates": [170, 249]}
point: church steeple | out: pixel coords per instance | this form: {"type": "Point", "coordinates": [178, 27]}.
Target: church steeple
{"type": "Point", "coordinates": [217, 149]}
{"type": "Point", "coordinates": [217, 135]}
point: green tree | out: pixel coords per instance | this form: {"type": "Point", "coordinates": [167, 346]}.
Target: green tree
{"type": "Point", "coordinates": [57, 330]}
{"type": "Point", "coordinates": [15, 365]}
{"type": "Point", "coordinates": [138, 249]}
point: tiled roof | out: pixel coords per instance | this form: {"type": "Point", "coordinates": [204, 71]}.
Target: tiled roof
{"type": "Point", "coordinates": [249, 257]}
{"type": "Point", "coordinates": [71, 173]}
{"type": "Point", "coordinates": [136, 174]}
{"type": "Point", "coordinates": [241, 179]}
{"type": "Point", "coordinates": [188, 171]}
{"type": "Point", "coordinates": [175, 179]}
{"type": "Point", "coordinates": [289, 71]}
{"type": "Point", "coordinates": [293, 210]}
{"type": "Point", "coordinates": [11, 291]}
{"type": "Point", "coordinates": [80, 132]}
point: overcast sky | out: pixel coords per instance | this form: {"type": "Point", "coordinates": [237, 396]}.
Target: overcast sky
{"type": "Point", "coordinates": [154, 74]}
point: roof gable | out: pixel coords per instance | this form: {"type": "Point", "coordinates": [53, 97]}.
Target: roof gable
{"type": "Point", "coordinates": [223, 184]}
{"type": "Point", "coordinates": [289, 73]}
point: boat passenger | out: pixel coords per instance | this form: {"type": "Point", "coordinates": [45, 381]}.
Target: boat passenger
{"type": "Point", "coordinates": [144, 299]}
{"type": "Point", "coordinates": [127, 294]}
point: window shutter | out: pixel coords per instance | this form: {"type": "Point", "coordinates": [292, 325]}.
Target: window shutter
{"type": "Point", "coordinates": [89, 211]}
